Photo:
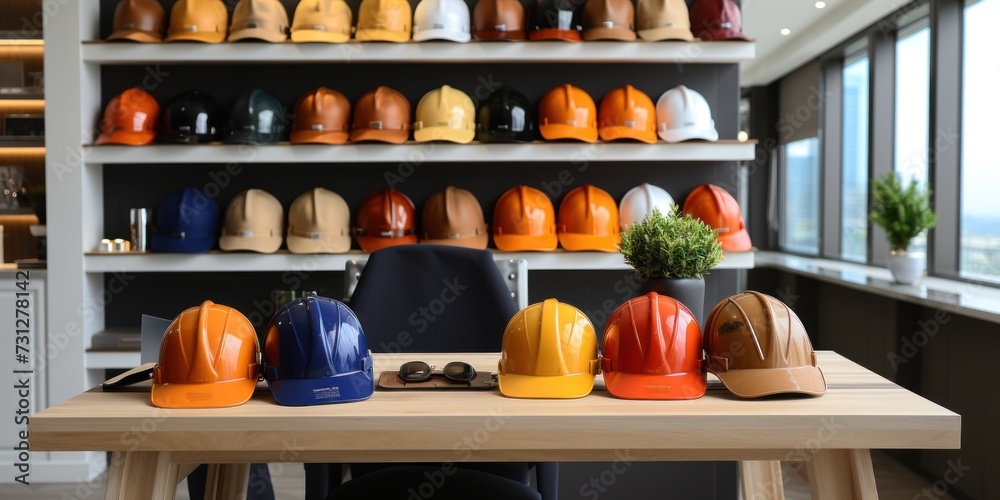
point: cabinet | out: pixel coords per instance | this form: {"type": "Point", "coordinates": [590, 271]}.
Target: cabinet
{"type": "Point", "coordinates": [92, 188]}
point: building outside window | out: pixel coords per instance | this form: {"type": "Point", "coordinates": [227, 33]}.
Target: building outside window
{"type": "Point", "coordinates": [854, 176]}
{"type": "Point", "coordinates": [913, 86]}
{"type": "Point", "coordinates": [801, 197]}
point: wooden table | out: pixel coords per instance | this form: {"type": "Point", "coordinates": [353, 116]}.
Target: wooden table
{"type": "Point", "coordinates": [155, 448]}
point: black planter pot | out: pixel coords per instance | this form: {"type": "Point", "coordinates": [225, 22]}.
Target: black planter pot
{"type": "Point", "coordinates": [690, 292]}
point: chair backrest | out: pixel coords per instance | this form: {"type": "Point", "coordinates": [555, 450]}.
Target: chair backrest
{"type": "Point", "coordinates": [432, 298]}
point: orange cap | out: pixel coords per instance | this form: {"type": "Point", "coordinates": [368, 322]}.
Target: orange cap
{"type": "Point", "coordinates": [498, 20]}
{"type": "Point", "coordinates": [608, 20]}
{"type": "Point", "coordinates": [208, 359]}
{"type": "Point", "coordinates": [383, 115]}
{"type": "Point", "coordinates": [139, 21]}
{"type": "Point", "coordinates": [588, 220]}
{"type": "Point", "coordinates": [321, 117]}
{"type": "Point", "coordinates": [717, 208]}
{"type": "Point", "coordinates": [627, 113]}
{"type": "Point", "coordinates": [131, 118]}
{"type": "Point", "coordinates": [386, 218]}
{"type": "Point", "coordinates": [198, 21]}
{"type": "Point", "coordinates": [454, 217]}
{"type": "Point", "coordinates": [652, 350]}
{"type": "Point", "coordinates": [567, 112]}
{"type": "Point", "coordinates": [524, 219]}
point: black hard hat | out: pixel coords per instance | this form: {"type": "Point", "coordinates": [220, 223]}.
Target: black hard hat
{"type": "Point", "coordinates": [191, 118]}
{"type": "Point", "coordinates": [507, 116]}
{"type": "Point", "coordinates": [555, 20]}
{"type": "Point", "coordinates": [257, 118]}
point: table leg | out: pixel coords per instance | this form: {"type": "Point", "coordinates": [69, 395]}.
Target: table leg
{"type": "Point", "coordinates": [841, 475]}
{"type": "Point", "coordinates": [233, 480]}
{"type": "Point", "coordinates": [165, 480]}
{"type": "Point", "coordinates": [130, 472]}
{"type": "Point", "coordinates": [761, 480]}
{"type": "Point", "coordinates": [213, 477]}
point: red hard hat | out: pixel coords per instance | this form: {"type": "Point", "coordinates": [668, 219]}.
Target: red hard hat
{"type": "Point", "coordinates": [386, 218]}
{"type": "Point", "coordinates": [717, 208]}
{"type": "Point", "coordinates": [652, 350]}
{"type": "Point", "coordinates": [717, 20]}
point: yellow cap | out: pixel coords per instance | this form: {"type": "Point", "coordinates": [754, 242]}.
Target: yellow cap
{"type": "Point", "coordinates": [384, 20]}
{"type": "Point", "coordinates": [198, 21]}
{"type": "Point", "coordinates": [549, 351]}
{"type": "Point", "coordinates": [445, 114]}
{"type": "Point", "coordinates": [322, 21]}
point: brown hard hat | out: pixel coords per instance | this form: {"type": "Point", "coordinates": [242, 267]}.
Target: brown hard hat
{"type": "Point", "coordinates": [139, 21]}
{"type": "Point", "coordinates": [498, 20]}
{"type": "Point", "coordinates": [383, 115]}
{"type": "Point", "coordinates": [386, 218]}
{"type": "Point", "coordinates": [757, 346]}
{"type": "Point", "coordinates": [322, 116]}
{"type": "Point", "coordinates": [608, 20]}
{"type": "Point", "coordinates": [454, 217]}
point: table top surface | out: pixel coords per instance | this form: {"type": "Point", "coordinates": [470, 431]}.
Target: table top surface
{"type": "Point", "coordinates": [860, 410]}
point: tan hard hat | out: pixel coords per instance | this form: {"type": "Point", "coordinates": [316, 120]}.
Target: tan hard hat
{"type": "Point", "coordinates": [663, 20]}
{"type": "Point", "coordinates": [319, 221]}
{"type": "Point", "coordinates": [445, 114]}
{"type": "Point", "coordinates": [322, 21]}
{"type": "Point", "coordinates": [608, 20]}
{"type": "Point", "coordinates": [757, 346]}
{"type": "Point", "coordinates": [198, 21]}
{"type": "Point", "coordinates": [139, 21]}
{"type": "Point", "coordinates": [253, 222]}
{"type": "Point", "coordinates": [259, 20]}
{"type": "Point", "coordinates": [384, 20]}
{"type": "Point", "coordinates": [454, 217]}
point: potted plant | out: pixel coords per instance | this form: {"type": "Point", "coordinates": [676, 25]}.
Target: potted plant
{"type": "Point", "coordinates": [670, 254]}
{"type": "Point", "coordinates": [903, 213]}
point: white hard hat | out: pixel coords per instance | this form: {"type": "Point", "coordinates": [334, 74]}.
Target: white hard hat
{"type": "Point", "coordinates": [640, 202]}
{"type": "Point", "coordinates": [441, 20]}
{"type": "Point", "coordinates": [683, 114]}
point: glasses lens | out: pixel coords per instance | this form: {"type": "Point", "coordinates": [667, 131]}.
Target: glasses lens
{"type": "Point", "coordinates": [459, 372]}
{"type": "Point", "coordinates": [415, 371]}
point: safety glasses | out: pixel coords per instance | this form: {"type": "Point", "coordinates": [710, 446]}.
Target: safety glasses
{"type": "Point", "coordinates": [418, 371]}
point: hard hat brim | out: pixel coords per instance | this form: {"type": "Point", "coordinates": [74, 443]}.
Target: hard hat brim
{"type": "Point", "coordinates": [428, 134]}
{"type": "Point", "coordinates": [136, 36]}
{"type": "Point", "coordinates": [306, 36]}
{"type": "Point", "coordinates": [379, 35]}
{"type": "Point", "coordinates": [127, 138]}
{"type": "Point", "coordinates": [231, 243]}
{"type": "Point", "coordinates": [526, 243]}
{"type": "Point", "coordinates": [318, 137]}
{"type": "Point", "coordinates": [184, 138]}
{"type": "Point", "coordinates": [500, 35]}
{"type": "Point", "coordinates": [207, 395]}
{"type": "Point", "coordinates": [197, 36]}
{"type": "Point", "coordinates": [720, 35]}
{"type": "Point", "coordinates": [556, 131]}
{"type": "Point", "coordinates": [442, 34]}
{"type": "Point", "coordinates": [266, 35]}
{"type": "Point", "coordinates": [169, 244]}
{"type": "Point", "coordinates": [500, 137]}
{"type": "Point", "coordinates": [555, 34]}
{"type": "Point", "coordinates": [602, 33]}
{"type": "Point", "coordinates": [252, 137]}
{"type": "Point", "coordinates": [546, 387]}
{"type": "Point", "coordinates": [641, 386]}
{"type": "Point", "coordinates": [658, 34]}
{"type": "Point", "coordinates": [479, 242]}
{"type": "Point", "coordinates": [354, 386]}
{"type": "Point", "coordinates": [333, 244]}
{"type": "Point", "coordinates": [755, 383]}
{"type": "Point", "coordinates": [587, 242]}
{"type": "Point", "coordinates": [619, 132]}
{"type": "Point", "coordinates": [736, 242]}
{"type": "Point", "coordinates": [370, 244]}
{"type": "Point", "coordinates": [381, 135]}
{"type": "Point", "coordinates": [688, 133]}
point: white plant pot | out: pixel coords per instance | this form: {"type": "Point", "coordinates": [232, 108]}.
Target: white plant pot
{"type": "Point", "coordinates": [908, 268]}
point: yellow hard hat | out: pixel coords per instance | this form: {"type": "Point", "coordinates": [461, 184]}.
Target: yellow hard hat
{"type": "Point", "coordinates": [384, 20]}
{"type": "Point", "coordinates": [445, 114]}
{"type": "Point", "coordinates": [549, 351]}
{"type": "Point", "coordinates": [198, 21]}
{"type": "Point", "coordinates": [322, 21]}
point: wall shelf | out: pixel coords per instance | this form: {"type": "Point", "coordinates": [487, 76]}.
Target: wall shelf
{"type": "Point", "coordinates": [425, 52]}
{"type": "Point", "coordinates": [284, 261]}
{"type": "Point", "coordinates": [22, 142]}
{"type": "Point", "coordinates": [111, 360]}
{"type": "Point", "coordinates": [724, 150]}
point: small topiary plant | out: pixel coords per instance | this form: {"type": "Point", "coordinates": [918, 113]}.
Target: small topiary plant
{"type": "Point", "coordinates": [671, 246]}
{"type": "Point", "coordinates": [903, 213]}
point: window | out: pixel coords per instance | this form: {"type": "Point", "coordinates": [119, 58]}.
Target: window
{"type": "Point", "coordinates": [979, 228]}
{"type": "Point", "coordinates": [801, 199]}
{"type": "Point", "coordinates": [854, 176]}
{"type": "Point", "coordinates": [913, 88]}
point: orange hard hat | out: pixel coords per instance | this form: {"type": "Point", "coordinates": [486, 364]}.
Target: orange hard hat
{"type": "Point", "coordinates": [209, 357]}
{"type": "Point", "coordinates": [652, 350]}
{"type": "Point", "coordinates": [131, 118]}
{"type": "Point", "coordinates": [383, 115]}
{"type": "Point", "coordinates": [588, 220]}
{"type": "Point", "coordinates": [757, 346]}
{"type": "Point", "coordinates": [322, 116]}
{"type": "Point", "coordinates": [609, 20]}
{"type": "Point", "coordinates": [386, 218]}
{"type": "Point", "coordinates": [627, 113]}
{"type": "Point", "coordinates": [567, 112]}
{"type": "Point", "coordinates": [717, 208]}
{"type": "Point", "coordinates": [524, 219]}
{"type": "Point", "coordinates": [198, 21]}
{"type": "Point", "coordinates": [139, 21]}
{"type": "Point", "coordinates": [454, 217]}
{"type": "Point", "coordinates": [498, 20]}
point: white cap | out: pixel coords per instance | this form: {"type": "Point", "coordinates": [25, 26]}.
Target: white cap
{"type": "Point", "coordinates": [441, 20]}
{"type": "Point", "coordinates": [683, 114]}
{"type": "Point", "coordinates": [640, 202]}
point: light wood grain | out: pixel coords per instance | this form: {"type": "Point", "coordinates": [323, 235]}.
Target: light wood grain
{"type": "Point", "coordinates": [761, 480]}
{"type": "Point", "coordinates": [233, 483]}
{"type": "Point", "coordinates": [842, 475]}
{"type": "Point", "coordinates": [165, 479]}
{"type": "Point", "coordinates": [184, 469]}
{"type": "Point", "coordinates": [116, 471]}
{"type": "Point", "coordinates": [133, 477]}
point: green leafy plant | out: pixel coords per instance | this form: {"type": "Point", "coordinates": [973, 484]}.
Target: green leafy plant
{"type": "Point", "coordinates": [904, 213]}
{"type": "Point", "coordinates": [671, 246]}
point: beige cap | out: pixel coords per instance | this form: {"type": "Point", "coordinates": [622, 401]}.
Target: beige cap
{"type": "Point", "coordinates": [253, 222]}
{"type": "Point", "coordinates": [319, 221]}
{"type": "Point", "coordinates": [663, 20]}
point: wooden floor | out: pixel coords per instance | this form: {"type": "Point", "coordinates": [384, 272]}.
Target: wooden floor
{"type": "Point", "coordinates": [895, 482]}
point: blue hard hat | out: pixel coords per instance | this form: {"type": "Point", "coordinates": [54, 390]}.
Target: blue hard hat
{"type": "Point", "coordinates": [187, 221]}
{"type": "Point", "coordinates": [316, 353]}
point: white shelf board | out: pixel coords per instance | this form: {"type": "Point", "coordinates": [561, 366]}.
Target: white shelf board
{"type": "Point", "coordinates": [284, 261]}
{"type": "Point", "coordinates": [424, 52]}
{"type": "Point", "coordinates": [104, 360]}
{"type": "Point", "coordinates": [723, 150]}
